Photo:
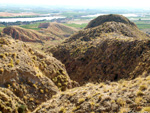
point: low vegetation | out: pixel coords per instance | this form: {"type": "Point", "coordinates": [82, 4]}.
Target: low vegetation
{"type": "Point", "coordinates": [105, 52]}
{"type": "Point", "coordinates": [94, 98]}
{"type": "Point", "coordinates": [28, 74]}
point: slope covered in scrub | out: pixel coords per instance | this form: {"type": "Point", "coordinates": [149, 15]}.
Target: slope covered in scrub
{"type": "Point", "coordinates": [10, 103]}
{"type": "Point", "coordinates": [108, 97]}
{"type": "Point", "coordinates": [32, 76]}
{"type": "Point", "coordinates": [110, 51]}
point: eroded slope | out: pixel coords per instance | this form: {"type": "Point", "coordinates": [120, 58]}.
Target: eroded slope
{"type": "Point", "coordinates": [56, 30]}
{"type": "Point", "coordinates": [109, 97]}
{"type": "Point", "coordinates": [32, 76]}
{"type": "Point", "coordinates": [111, 51]}
{"type": "Point", "coordinates": [25, 35]}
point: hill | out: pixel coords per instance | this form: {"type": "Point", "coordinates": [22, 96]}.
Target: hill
{"type": "Point", "coordinates": [32, 76]}
{"type": "Point", "coordinates": [25, 35]}
{"type": "Point", "coordinates": [56, 30]}
{"type": "Point", "coordinates": [110, 51]}
{"type": "Point", "coordinates": [109, 18]}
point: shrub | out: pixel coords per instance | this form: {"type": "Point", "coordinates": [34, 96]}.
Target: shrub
{"type": "Point", "coordinates": [17, 62]}
{"type": "Point", "coordinates": [62, 110]}
{"type": "Point", "coordinates": [14, 55]}
{"type": "Point", "coordinates": [139, 93]}
{"type": "Point", "coordinates": [143, 87]}
{"type": "Point", "coordinates": [22, 109]}
{"type": "Point", "coordinates": [2, 56]}
{"type": "Point", "coordinates": [81, 100]}
{"type": "Point", "coordinates": [121, 102]}
{"type": "Point", "coordinates": [34, 57]}
{"type": "Point", "coordinates": [41, 91]}
{"type": "Point", "coordinates": [1, 70]}
{"type": "Point", "coordinates": [138, 100]}
{"type": "Point", "coordinates": [76, 108]}
{"type": "Point", "coordinates": [11, 64]}
{"type": "Point", "coordinates": [145, 109]}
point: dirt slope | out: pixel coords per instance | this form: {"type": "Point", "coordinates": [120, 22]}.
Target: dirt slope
{"type": "Point", "coordinates": [56, 30]}
{"type": "Point", "coordinates": [25, 35]}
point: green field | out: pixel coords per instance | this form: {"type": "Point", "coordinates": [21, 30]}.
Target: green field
{"type": "Point", "coordinates": [33, 26]}
{"type": "Point", "coordinates": [1, 29]}
{"type": "Point", "coordinates": [76, 25]}
{"type": "Point", "coordinates": [142, 24]}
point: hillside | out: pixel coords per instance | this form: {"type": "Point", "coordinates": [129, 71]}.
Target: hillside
{"type": "Point", "coordinates": [49, 35]}
{"type": "Point", "coordinates": [110, 97]}
{"type": "Point", "coordinates": [110, 51]}
{"type": "Point", "coordinates": [56, 30]}
{"type": "Point", "coordinates": [10, 103]}
{"type": "Point", "coordinates": [25, 35]}
{"type": "Point", "coordinates": [32, 76]}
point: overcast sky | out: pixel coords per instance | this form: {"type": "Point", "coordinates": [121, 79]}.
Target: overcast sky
{"type": "Point", "coordinates": [86, 3]}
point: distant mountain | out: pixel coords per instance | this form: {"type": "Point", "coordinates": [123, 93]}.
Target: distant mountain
{"type": "Point", "coordinates": [110, 51]}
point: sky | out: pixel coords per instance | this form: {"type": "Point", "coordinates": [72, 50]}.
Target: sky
{"type": "Point", "coordinates": [85, 3]}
